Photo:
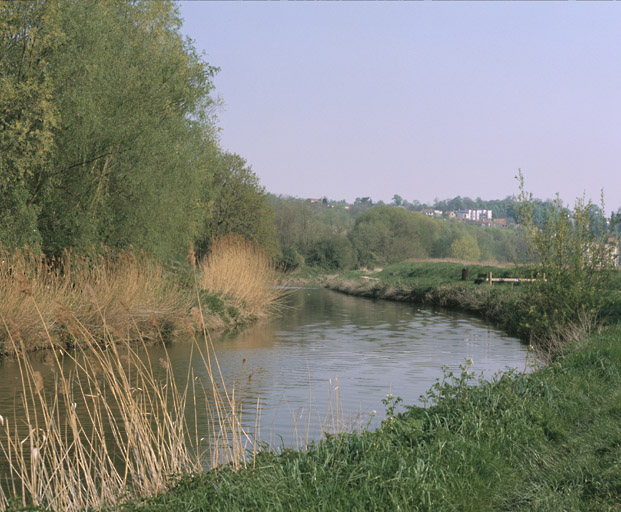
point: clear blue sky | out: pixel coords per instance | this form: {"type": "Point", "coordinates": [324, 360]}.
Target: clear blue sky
{"type": "Point", "coordinates": [422, 99]}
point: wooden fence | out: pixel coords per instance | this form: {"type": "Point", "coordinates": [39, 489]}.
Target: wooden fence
{"type": "Point", "coordinates": [489, 278]}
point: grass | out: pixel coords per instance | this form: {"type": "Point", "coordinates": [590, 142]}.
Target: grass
{"type": "Point", "coordinates": [112, 424]}
{"type": "Point", "coordinates": [546, 441]}
{"type": "Point", "coordinates": [236, 284]}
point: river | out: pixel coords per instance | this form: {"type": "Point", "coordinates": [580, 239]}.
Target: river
{"type": "Point", "coordinates": [329, 349]}
{"type": "Point", "coordinates": [332, 357]}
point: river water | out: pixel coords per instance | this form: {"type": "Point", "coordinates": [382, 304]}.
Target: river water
{"type": "Point", "coordinates": [334, 357]}
{"type": "Point", "coordinates": [333, 353]}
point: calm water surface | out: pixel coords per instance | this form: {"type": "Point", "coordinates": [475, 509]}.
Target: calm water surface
{"type": "Point", "coordinates": [330, 345]}
{"type": "Point", "coordinates": [331, 350]}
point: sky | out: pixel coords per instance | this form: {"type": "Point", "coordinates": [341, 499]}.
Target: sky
{"type": "Point", "coordinates": [421, 99]}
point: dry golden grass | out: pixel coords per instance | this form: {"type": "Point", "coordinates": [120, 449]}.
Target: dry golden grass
{"type": "Point", "coordinates": [243, 271]}
{"type": "Point", "coordinates": [113, 425]}
{"type": "Point", "coordinates": [39, 295]}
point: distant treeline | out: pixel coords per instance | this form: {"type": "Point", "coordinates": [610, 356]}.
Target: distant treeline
{"type": "Point", "coordinates": [335, 235]}
{"type": "Point", "coordinates": [331, 236]}
{"type": "Point", "coordinates": [108, 133]}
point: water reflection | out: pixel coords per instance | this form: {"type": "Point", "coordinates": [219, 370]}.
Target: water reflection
{"type": "Point", "coordinates": [372, 347]}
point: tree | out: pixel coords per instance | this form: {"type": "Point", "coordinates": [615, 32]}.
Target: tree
{"type": "Point", "coordinates": [236, 203]}
{"type": "Point", "coordinates": [388, 235]}
{"type": "Point", "coordinates": [571, 248]}
{"type": "Point", "coordinates": [333, 253]}
{"type": "Point", "coordinates": [30, 34]}
{"type": "Point", "coordinates": [397, 200]}
{"type": "Point", "coordinates": [106, 126]}
{"type": "Point", "coordinates": [465, 248]}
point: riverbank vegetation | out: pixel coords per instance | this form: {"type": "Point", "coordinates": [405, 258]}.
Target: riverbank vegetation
{"type": "Point", "coordinates": [109, 134]}
{"type": "Point", "coordinates": [243, 271]}
{"type": "Point", "coordinates": [44, 298]}
{"type": "Point", "coordinates": [110, 170]}
{"type": "Point", "coordinates": [515, 307]}
{"type": "Point", "coordinates": [41, 297]}
{"type": "Point", "coordinates": [570, 284]}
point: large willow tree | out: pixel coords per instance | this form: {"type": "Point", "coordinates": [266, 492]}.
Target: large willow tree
{"type": "Point", "coordinates": [105, 126]}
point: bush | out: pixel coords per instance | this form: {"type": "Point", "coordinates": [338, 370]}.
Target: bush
{"type": "Point", "coordinates": [572, 249]}
{"type": "Point", "coordinates": [465, 248]}
{"type": "Point", "coordinates": [334, 253]}
{"type": "Point", "coordinates": [291, 260]}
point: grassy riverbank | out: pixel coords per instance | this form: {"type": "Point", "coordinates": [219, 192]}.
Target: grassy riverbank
{"type": "Point", "coordinates": [547, 441]}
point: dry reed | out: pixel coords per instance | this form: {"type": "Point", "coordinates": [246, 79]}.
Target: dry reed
{"type": "Point", "coordinates": [244, 272]}
{"type": "Point", "coordinates": [125, 288]}
{"type": "Point", "coordinates": [112, 425]}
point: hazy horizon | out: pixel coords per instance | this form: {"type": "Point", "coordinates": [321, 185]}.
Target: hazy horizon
{"type": "Point", "coordinates": [422, 99]}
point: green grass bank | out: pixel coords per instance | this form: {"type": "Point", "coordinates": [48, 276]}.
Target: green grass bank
{"type": "Point", "coordinates": [549, 440]}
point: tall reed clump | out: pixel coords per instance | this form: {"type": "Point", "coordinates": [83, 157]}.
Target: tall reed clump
{"type": "Point", "coordinates": [123, 287]}
{"type": "Point", "coordinates": [112, 425]}
{"type": "Point", "coordinates": [243, 271]}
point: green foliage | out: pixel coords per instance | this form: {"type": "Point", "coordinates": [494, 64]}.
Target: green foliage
{"type": "Point", "coordinates": [573, 250]}
{"type": "Point", "coordinates": [332, 253]}
{"type": "Point", "coordinates": [236, 203]}
{"type": "Point", "coordinates": [466, 248]}
{"type": "Point", "coordinates": [213, 302]}
{"type": "Point", "coordinates": [30, 34]}
{"type": "Point", "coordinates": [291, 259]}
{"type": "Point", "coordinates": [384, 235]}
{"type": "Point", "coordinates": [313, 233]}
{"type": "Point", "coordinates": [107, 126]}
{"type": "Point", "coordinates": [131, 145]}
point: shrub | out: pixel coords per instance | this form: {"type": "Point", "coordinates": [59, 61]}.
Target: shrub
{"type": "Point", "coordinates": [334, 253]}
{"type": "Point", "coordinates": [572, 249]}
{"type": "Point", "coordinates": [465, 248]}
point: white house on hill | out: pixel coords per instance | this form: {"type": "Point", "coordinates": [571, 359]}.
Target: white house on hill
{"type": "Point", "coordinates": [474, 214]}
